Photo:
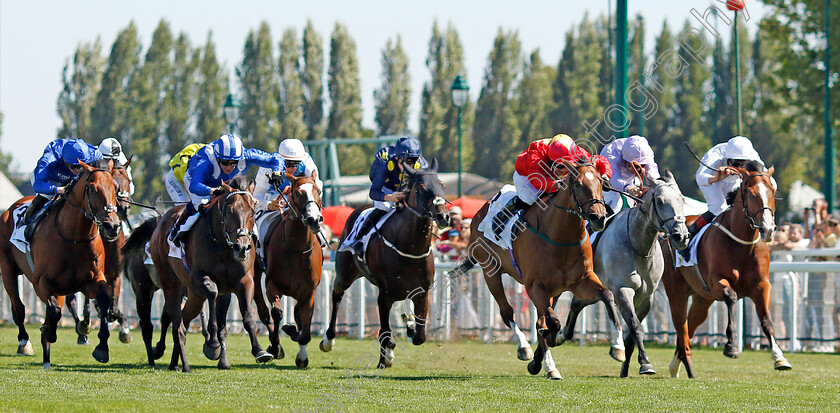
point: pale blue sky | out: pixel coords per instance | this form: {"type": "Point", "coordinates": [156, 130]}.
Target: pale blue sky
{"type": "Point", "coordinates": [36, 37]}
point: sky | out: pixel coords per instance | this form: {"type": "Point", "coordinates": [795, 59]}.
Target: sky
{"type": "Point", "coordinates": [37, 37]}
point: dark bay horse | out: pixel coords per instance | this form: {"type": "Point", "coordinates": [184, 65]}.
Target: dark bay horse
{"type": "Point", "coordinates": [293, 260]}
{"type": "Point", "coordinates": [68, 255]}
{"type": "Point", "coordinates": [733, 261]}
{"type": "Point", "coordinates": [553, 256]}
{"type": "Point", "coordinates": [113, 260]}
{"type": "Point", "coordinates": [145, 281]}
{"type": "Point", "coordinates": [219, 253]}
{"type": "Point", "coordinates": [399, 259]}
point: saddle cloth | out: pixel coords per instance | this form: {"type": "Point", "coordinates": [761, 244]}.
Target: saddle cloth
{"type": "Point", "coordinates": [505, 239]}
{"type": "Point", "coordinates": [353, 235]}
{"type": "Point", "coordinates": [680, 261]}
{"type": "Point", "coordinates": [263, 223]}
{"type": "Point", "coordinates": [17, 239]}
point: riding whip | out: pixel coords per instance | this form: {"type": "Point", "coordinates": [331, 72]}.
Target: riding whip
{"type": "Point", "coordinates": [698, 158]}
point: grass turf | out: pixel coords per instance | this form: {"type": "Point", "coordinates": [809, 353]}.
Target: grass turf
{"type": "Point", "coordinates": [463, 376]}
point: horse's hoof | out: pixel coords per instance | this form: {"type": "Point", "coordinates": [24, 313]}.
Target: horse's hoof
{"type": "Point", "coordinates": [101, 355]}
{"type": "Point", "coordinates": [554, 374]}
{"type": "Point", "coordinates": [646, 369]}
{"type": "Point", "coordinates": [525, 353]}
{"type": "Point", "coordinates": [263, 357]}
{"type": "Point", "coordinates": [618, 354]}
{"type": "Point", "coordinates": [326, 345]}
{"type": "Point", "coordinates": [534, 367]}
{"type": "Point", "coordinates": [302, 363]}
{"type": "Point", "coordinates": [47, 366]}
{"type": "Point", "coordinates": [25, 348]}
{"type": "Point", "coordinates": [418, 339]}
{"type": "Point", "coordinates": [83, 340]}
{"type": "Point", "coordinates": [83, 328]}
{"type": "Point", "coordinates": [125, 336]}
{"type": "Point", "coordinates": [782, 365]}
{"type": "Point", "coordinates": [224, 365]}
{"type": "Point", "coordinates": [560, 339]}
{"type": "Point", "coordinates": [409, 332]}
{"type": "Point", "coordinates": [159, 351]}
{"type": "Point", "coordinates": [212, 353]}
{"type": "Point", "coordinates": [731, 351]}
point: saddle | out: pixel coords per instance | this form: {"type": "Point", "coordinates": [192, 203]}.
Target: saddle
{"type": "Point", "coordinates": [34, 221]}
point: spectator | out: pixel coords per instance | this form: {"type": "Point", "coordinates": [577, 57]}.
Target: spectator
{"type": "Point", "coordinates": [456, 238]}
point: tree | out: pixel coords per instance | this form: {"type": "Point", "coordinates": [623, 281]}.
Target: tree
{"type": "Point", "coordinates": [535, 102]}
{"type": "Point", "coordinates": [110, 112]}
{"type": "Point", "coordinates": [394, 95]}
{"type": "Point", "coordinates": [181, 98]}
{"type": "Point", "coordinates": [312, 80]}
{"type": "Point", "coordinates": [260, 90]}
{"type": "Point", "coordinates": [438, 115]}
{"type": "Point", "coordinates": [636, 68]}
{"type": "Point", "coordinates": [345, 117]}
{"type": "Point", "coordinates": [496, 130]}
{"type": "Point", "coordinates": [660, 83]}
{"type": "Point", "coordinates": [292, 101]}
{"type": "Point", "coordinates": [82, 80]}
{"type": "Point", "coordinates": [212, 89]}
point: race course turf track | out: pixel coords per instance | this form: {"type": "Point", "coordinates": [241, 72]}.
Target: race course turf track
{"type": "Point", "coordinates": [443, 377]}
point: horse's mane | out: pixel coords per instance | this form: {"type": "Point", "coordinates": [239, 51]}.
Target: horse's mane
{"type": "Point", "coordinates": [140, 235]}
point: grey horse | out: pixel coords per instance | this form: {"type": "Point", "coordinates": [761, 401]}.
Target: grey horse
{"type": "Point", "coordinates": [629, 261]}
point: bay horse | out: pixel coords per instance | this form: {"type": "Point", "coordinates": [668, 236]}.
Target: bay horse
{"type": "Point", "coordinates": [398, 257]}
{"type": "Point", "coordinates": [67, 254]}
{"type": "Point", "coordinates": [553, 256]}
{"type": "Point", "coordinates": [628, 260]}
{"type": "Point", "coordinates": [733, 261]}
{"type": "Point", "coordinates": [219, 260]}
{"type": "Point", "coordinates": [145, 281]}
{"type": "Point", "coordinates": [113, 260]}
{"type": "Point", "coordinates": [293, 261]}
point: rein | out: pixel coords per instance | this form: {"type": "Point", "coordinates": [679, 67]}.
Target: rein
{"type": "Point", "coordinates": [414, 210]}
{"type": "Point", "coordinates": [299, 216]}
{"type": "Point", "coordinates": [88, 214]}
{"type": "Point", "coordinates": [240, 232]}
{"type": "Point", "coordinates": [748, 216]}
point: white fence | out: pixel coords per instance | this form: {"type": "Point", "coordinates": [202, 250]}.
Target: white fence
{"type": "Point", "coordinates": [805, 309]}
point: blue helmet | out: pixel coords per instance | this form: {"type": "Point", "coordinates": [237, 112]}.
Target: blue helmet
{"type": "Point", "coordinates": [228, 148]}
{"type": "Point", "coordinates": [407, 148]}
{"type": "Point", "coordinates": [75, 150]}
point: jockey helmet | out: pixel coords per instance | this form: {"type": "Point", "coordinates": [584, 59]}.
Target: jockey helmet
{"type": "Point", "coordinates": [75, 150]}
{"type": "Point", "coordinates": [228, 148]}
{"type": "Point", "coordinates": [740, 147]}
{"type": "Point", "coordinates": [637, 149]}
{"type": "Point", "coordinates": [562, 147]}
{"type": "Point", "coordinates": [407, 148]}
{"type": "Point", "coordinates": [292, 150]}
{"type": "Point", "coordinates": [110, 148]}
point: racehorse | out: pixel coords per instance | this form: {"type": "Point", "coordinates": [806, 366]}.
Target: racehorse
{"type": "Point", "coordinates": [733, 261]}
{"type": "Point", "coordinates": [145, 281]}
{"type": "Point", "coordinates": [398, 257]}
{"type": "Point", "coordinates": [293, 261]}
{"type": "Point", "coordinates": [113, 259]}
{"type": "Point", "coordinates": [553, 256]}
{"type": "Point", "coordinates": [218, 260]}
{"type": "Point", "coordinates": [67, 255]}
{"type": "Point", "coordinates": [629, 261]}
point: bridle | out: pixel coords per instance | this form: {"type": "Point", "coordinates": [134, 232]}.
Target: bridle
{"type": "Point", "coordinates": [301, 216]}
{"type": "Point", "coordinates": [581, 207]}
{"type": "Point", "coordinates": [421, 210]}
{"type": "Point", "coordinates": [87, 210]}
{"type": "Point", "coordinates": [238, 232]}
{"type": "Point", "coordinates": [748, 215]}
{"type": "Point", "coordinates": [660, 224]}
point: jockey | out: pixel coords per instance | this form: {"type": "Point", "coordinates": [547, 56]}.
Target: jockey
{"type": "Point", "coordinates": [539, 167]}
{"type": "Point", "coordinates": [111, 149]}
{"type": "Point", "coordinates": [57, 167]}
{"type": "Point", "coordinates": [294, 160]}
{"type": "Point", "coordinates": [738, 152]}
{"type": "Point", "coordinates": [219, 161]}
{"type": "Point", "coordinates": [631, 160]}
{"type": "Point", "coordinates": [174, 180]}
{"type": "Point", "coordinates": [386, 176]}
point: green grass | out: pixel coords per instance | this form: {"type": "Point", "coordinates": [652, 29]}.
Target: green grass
{"type": "Point", "coordinates": [464, 376]}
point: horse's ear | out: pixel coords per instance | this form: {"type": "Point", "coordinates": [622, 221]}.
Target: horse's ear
{"type": "Point", "coordinates": [408, 169]}
{"type": "Point", "coordinates": [251, 186]}
{"type": "Point", "coordinates": [227, 187]}
{"type": "Point", "coordinates": [128, 162]}
{"type": "Point", "coordinates": [85, 166]}
{"type": "Point", "coordinates": [669, 177]}
{"type": "Point", "coordinates": [434, 165]}
{"type": "Point", "coordinates": [570, 166]}
{"type": "Point", "coordinates": [289, 177]}
{"type": "Point", "coordinates": [771, 170]}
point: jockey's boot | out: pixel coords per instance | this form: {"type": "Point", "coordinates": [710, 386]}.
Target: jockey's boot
{"type": "Point", "coordinates": [509, 210]}
{"type": "Point", "coordinates": [175, 234]}
{"type": "Point", "coordinates": [372, 219]}
{"type": "Point", "coordinates": [34, 214]}
{"type": "Point", "coordinates": [694, 228]}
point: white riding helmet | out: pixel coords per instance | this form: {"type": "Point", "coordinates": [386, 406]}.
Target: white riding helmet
{"type": "Point", "coordinates": [110, 148]}
{"type": "Point", "coordinates": [292, 150]}
{"type": "Point", "coordinates": [740, 147]}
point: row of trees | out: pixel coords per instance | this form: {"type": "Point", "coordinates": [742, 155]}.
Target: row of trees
{"type": "Point", "coordinates": [157, 102]}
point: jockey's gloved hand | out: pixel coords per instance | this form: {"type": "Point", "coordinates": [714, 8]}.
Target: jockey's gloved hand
{"type": "Point", "coordinates": [217, 191]}
{"type": "Point", "coordinates": [605, 182]}
{"type": "Point", "coordinates": [275, 178]}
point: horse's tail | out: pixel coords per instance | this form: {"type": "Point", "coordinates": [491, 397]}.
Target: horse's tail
{"type": "Point", "coordinates": [140, 236]}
